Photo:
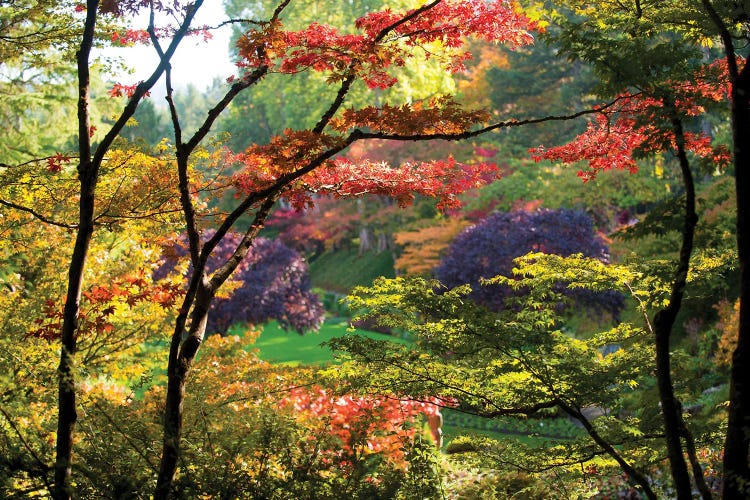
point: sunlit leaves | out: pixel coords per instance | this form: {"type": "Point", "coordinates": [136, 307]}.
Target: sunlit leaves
{"type": "Point", "coordinates": [515, 362]}
{"type": "Point", "coordinates": [636, 126]}
{"type": "Point", "coordinates": [387, 38]}
{"type": "Point", "coordinates": [442, 180]}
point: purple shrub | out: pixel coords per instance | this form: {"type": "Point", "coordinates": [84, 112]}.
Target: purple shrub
{"type": "Point", "coordinates": [488, 248]}
{"type": "Point", "coordinates": [274, 285]}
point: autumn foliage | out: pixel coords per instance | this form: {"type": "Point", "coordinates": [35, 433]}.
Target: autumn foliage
{"type": "Point", "coordinates": [423, 248]}
{"type": "Point", "coordinates": [271, 283]}
{"type": "Point", "coordinates": [636, 125]}
{"type": "Point", "coordinates": [385, 39]}
{"type": "Point", "coordinates": [489, 248]}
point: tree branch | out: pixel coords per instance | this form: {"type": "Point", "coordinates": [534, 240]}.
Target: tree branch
{"type": "Point", "coordinates": [37, 215]}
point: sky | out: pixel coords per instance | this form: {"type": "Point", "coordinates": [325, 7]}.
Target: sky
{"type": "Point", "coordinates": [195, 61]}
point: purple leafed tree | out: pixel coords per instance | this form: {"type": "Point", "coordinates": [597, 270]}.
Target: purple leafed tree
{"type": "Point", "coordinates": [274, 285]}
{"type": "Point", "coordinates": [488, 248]}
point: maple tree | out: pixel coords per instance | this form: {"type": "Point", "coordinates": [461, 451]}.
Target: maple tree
{"type": "Point", "coordinates": [271, 283]}
{"type": "Point", "coordinates": [489, 248]}
{"type": "Point", "coordinates": [423, 248]}
{"type": "Point", "coordinates": [657, 99]}
{"type": "Point", "coordinates": [299, 163]}
{"type": "Point", "coordinates": [116, 321]}
{"type": "Point", "coordinates": [521, 361]}
{"type": "Point", "coordinates": [90, 158]}
{"type": "Point", "coordinates": [515, 361]}
{"type": "Point", "coordinates": [358, 64]}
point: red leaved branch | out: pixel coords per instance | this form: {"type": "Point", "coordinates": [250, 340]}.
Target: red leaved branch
{"type": "Point", "coordinates": [386, 39]}
{"type": "Point", "coordinates": [638, 125]}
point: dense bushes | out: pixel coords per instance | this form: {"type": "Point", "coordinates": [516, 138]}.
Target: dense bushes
{"type": "Point", "coordinates": [488, 248]}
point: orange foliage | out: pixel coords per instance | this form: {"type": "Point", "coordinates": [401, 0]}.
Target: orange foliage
{"type": "Point", "coordinates": [729, 325]}
{"type": "Point", "coordinates": [473, 84]}
{"type": "Point", "coordinates": [424, 247]}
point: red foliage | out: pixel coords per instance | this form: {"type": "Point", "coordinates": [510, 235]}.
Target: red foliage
{"type": "Point", "coordinates": [130, 37]}
{"type": "Point", "coordinates": [119, 90]}
{"type": "Point", "coordinates": [378, 425]}
{"type": "Point", "coordinates": [54, 163]}
{"type": "Point", "coordinates": [440, 179]}
{"type": "Point", "coordinates": [386, 39]}
{"type": "Point", "coordinates": [637, 125]}
{"type": "Point", "coordinates": [444, 180]}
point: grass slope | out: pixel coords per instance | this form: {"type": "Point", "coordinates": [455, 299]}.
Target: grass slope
{"type": "Point", "coordinates": [342, 270]}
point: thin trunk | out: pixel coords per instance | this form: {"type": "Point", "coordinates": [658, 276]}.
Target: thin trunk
{"type": "Point", "coordinates": [183, 352]}
{"type": "Point", "coordinates": [665, 319]}
{"type": "Point", "coordinates": [700, 481]}
{"type": "Point", "coordinates": [177, 371]}
{"type": "Point", "coordinates": [87, 173]}
{"type": "Point", "coordinates": [636, 477]}
{"type": "Point", "coordinates": [737, 446]}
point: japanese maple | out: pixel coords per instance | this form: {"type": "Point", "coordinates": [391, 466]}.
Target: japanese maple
{"type": "Point", "coordinates": [489, 248]}
{"type": "Point", "coordinates": [668, 86]}
{"type": "Point", "coordinates": [636, 127]}
{"type": "Point", "coordinates": [271, 283]}
{"type": "Point", "coordinates": [298, 164]}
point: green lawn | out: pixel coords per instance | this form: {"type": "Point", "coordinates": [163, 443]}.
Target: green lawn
{"type": "Point", "coordinates": [342, 270]}
{"type": "Point", "coordinates": [290, 348]}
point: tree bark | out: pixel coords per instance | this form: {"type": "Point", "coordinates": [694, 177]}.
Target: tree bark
{"type": "Point", "coordinates": [87, 174]}
{"type": "Point", "coordinates": [737, 445]}
{"type": "Point", "coordinates": [665, 319]}
{"type": "Point", "coordinates": [177, 371]}
{"type": "Point", "coordinates": [182, 352]}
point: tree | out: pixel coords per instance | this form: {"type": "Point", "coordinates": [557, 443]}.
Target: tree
{"type": "Point", "coordinates": [518, 361]}
{"type": "Point", "coordinates": [116, 320]}
{"type": "Point", "coordinates": [79, 29]}
{"type": "Point", "coordinates": [298, 164]}
{"type": "Point", "coordinates": [730, 21]}
{"type": "Point", "coordinates": [488, 248]}
{"type": "Point", "coordinates": [271, 284]}
{"type": "Point", "coordinates": [659, 96]}
{"type": "Point", "coordinates": [423, 248]}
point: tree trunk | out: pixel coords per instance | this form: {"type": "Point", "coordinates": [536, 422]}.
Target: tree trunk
{"type": "Point", "coordinates": [67, 415]}
{"type": "Point", "coordinates": [87, 174]}
{"type": "Point", "coordinates": [365, 240]}
{"type": "Point", "coordinates": [665, 319]}
{"type": "Point", "coordinates": [182, 352]}
{"type": "Point", "coordinates": [177, 372]}
{"type": "Point", "coordinates": [737, 445]}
